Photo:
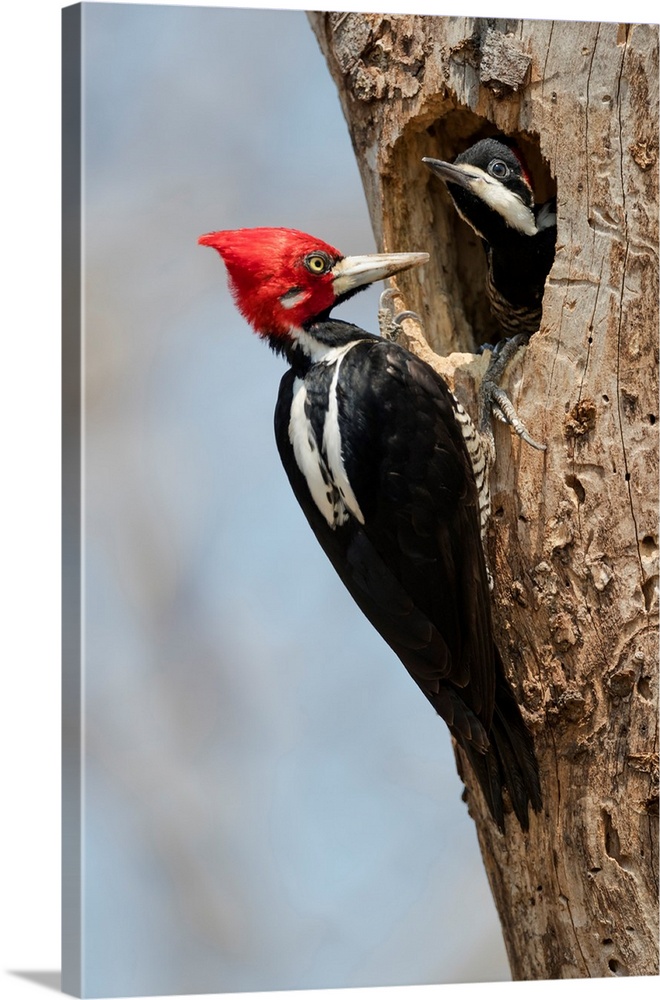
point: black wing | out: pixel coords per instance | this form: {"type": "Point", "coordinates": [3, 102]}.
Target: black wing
{"type": "Point", "coordinates": [415, 564]}
{"type": "Point", "coordinates": [415, 567]}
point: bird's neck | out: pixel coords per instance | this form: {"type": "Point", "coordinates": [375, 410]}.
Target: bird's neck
{"type": "Point", "coordinates": [518, 267]}
{"type": "Point", "coordinates": [318, 342]}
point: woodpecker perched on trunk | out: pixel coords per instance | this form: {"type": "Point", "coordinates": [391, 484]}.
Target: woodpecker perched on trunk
{"type": "Point", "coordinates": [491, 190]}
{"type": "Point", "coordinates": [370, 440]}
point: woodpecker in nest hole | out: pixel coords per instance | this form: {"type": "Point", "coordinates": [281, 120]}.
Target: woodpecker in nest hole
{"type": "Point", "coordinates": [491, 190]}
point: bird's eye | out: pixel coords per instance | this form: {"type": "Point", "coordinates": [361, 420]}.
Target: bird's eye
{"type": "Point", "coordinates": [498, 168]}
{"type": "Point", "coordinates": [317, 263]}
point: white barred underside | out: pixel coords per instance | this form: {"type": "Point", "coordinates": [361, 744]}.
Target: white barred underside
{"type": "Point", "coordinates": [511, 319]}
{"type": "Point", "coordinates": [480, 459]}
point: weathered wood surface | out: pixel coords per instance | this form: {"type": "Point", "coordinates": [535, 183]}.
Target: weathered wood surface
{"type": "Point", "coordinates": [574, 535]}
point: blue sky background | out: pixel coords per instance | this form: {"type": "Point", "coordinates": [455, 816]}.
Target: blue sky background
{"type": "Point", "coordinates": [270, 802]}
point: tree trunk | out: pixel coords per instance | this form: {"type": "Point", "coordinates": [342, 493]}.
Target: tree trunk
{"type": "Point", "coordinates": [573, 539]}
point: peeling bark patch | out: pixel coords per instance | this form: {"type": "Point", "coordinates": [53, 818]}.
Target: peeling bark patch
{"type": "Point", "coordinates": [368, 83]}
{"type": "Point", "coordinates": [468, 50]}
{"type": "Point", "coordinates": [353, 34]}
{"type": "Point", "coordinates": [644, 152]}
{"type": "Point", "coordinates": [581, 419]}
{"type": "Point", "coordinates": [646, 763]}
{"type": "Point", "coordinates": [601, 574]}
{"type": "Point", "coordinates": [504, 65]}
{"type": "Point", "coordinates": [564, 634]}
{"type": "Point", "coordinates": [561, 529]}
{"type": "Point", "coordinates": [380, 57]}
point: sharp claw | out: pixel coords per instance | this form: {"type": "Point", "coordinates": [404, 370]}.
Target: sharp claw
{"type": "Point", "coordinates": [503, 409]}
{"type": "Point", "coordinates": [385, 297]}
{"type": "Point", "coordinates": [495, 400]}
{"type": "Point", "coordinates": [496, 349]}
{"type": "Point", "coordinates": [497, 413]}
{"type": "Point", "coordinates": [389, 322]}
{"type": "Point", "coordinates": [406, 314]}
{"type": "Point", "coordinates": [486, 347]}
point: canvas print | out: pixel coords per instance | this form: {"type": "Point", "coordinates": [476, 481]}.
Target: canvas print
{"type": "Point", "coordinates": [360, 499]}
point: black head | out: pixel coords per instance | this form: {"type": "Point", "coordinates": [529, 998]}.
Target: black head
{"type": "Point", "coordinates": [491, 189]}
{"type": "Point", "coordinates": [503, 163]}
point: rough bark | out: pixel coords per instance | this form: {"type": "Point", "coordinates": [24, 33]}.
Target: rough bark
{"type": "Point", "coordinates": [573, 537]}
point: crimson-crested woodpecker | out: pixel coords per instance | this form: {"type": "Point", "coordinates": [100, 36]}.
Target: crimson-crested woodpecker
{"type": "Point", "coordinates": [492, 191]}
{"type": "Point", "coordinates": [371, 443]}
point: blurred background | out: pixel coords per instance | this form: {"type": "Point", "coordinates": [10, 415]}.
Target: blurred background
{"type": "Point", "coordinates": [270, 803]}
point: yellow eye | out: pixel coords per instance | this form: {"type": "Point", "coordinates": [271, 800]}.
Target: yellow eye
{"type": "Point", "coordinates": [316, 263]}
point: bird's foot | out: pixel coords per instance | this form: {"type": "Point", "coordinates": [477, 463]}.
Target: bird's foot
{"type": "Point", "coordinates": [496, 349]}
{"type": "Point", "coordinates": [389, 321]}
{"type": "Point", "coordinates": [493, 399]}
{"type": "Point", "coordinates": [493, 348]}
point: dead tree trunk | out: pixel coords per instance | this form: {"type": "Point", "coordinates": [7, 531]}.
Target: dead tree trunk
{"type": "Point", "coordinates": [574, 538]}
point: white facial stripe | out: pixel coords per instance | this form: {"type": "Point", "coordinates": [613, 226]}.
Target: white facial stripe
{"type": "Point", "coordinates": [291, 299]}
{"type": "Point", "coordinates": [505, 202]}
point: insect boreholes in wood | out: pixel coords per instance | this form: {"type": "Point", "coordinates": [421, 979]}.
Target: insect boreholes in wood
{"type": "Point", "coordinates": [617, 968]}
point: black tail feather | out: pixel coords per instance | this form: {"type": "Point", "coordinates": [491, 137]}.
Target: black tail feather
{"type": "Point", "coordinates": [509, 762]}
{"type": "Point", "coordinates": [515, 749]}
{"type": "Point", "coordinates": [487, 769]}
